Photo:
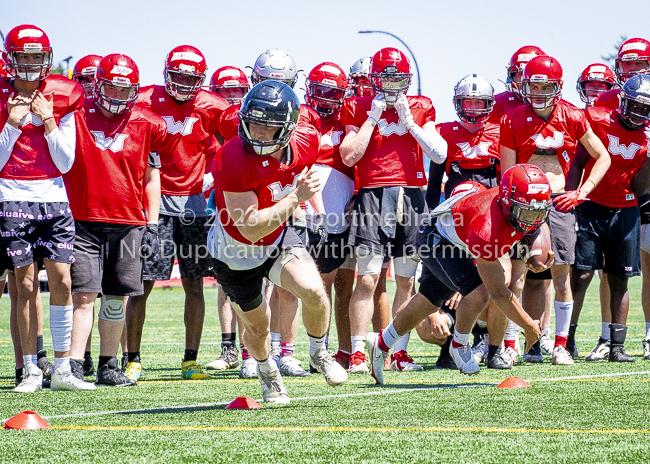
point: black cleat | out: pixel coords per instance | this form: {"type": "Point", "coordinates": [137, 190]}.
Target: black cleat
{"type": "Point", "coordinates": [496, 361]}
{"type": "Point", "coordinates": [88, 366]}
{"type": "Point", "coordinates": [77, 369]}
{"type": "Point", "coordinates": [571, 346]}
{"type": "Point", "coordinates": [124, 361]}
{"type": "Point", "coordinates": [19, 375]}
{"type": "Point", "coordinates": [109, 375]}
{"type": "Point", "coordinates": [43, 364]}
{"type": "Point", "coordinates": [618, 354]}
{"type": "Point", "coordinates": [445, 361]}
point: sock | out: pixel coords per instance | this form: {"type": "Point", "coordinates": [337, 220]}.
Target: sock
{"type": "Point", "coordinates": [563, 312]}
{"type": "Point", "coordinates": [647, 330]}
{"type": "Point", "coordinates": [388, 337]}
{"type": "Point", "coordinates": [459, 339]}
{"type": "Point", "coordinates": [509, 344]}
{"type": "Point", "coordinates": [103, 360]}
{"type": "Point", "coordinates": [358, 344]}
{"type": "Point", "coordinates": [276, 339]}
{"type": "Point", "coordinates": [134, 356]}
{"type": "Point", "coordinates": [402, 343]}
{"type": "Point", "coordinates": [39, 343]}
{"type": "Point", "coordinates": [572, 332]}
{"type": "Point", "coordinates": [316, 343]}
{"type": "Point", "coordinates": [266, 366]}
{"type": "Point", "coordinates": [87, 354]}
{"type": "Point", "coordinates": [560, 341]}
{"type": "Point", "coordinates": [29, 359]}
{"type": "Point", "coordinates": [190, 355]}
{"type": "Point", "coordinates": [62, 363]}
{"type": "Point", "coordinates": [492, 350]}
{"type": "Point", "coordinates": [244, 352]}
{"type": "Point", "coordinates": [61, 326]}
{"type": "Point", "coordinates": [512, 334]}
{"type": "Point", "coordinates": [618, 332]}
{"type": "Point", "coordinates": [604, 330]}
{"type": "Point", "coordinates": [19, 374]}
{"type": "Point", "coordinates": [287, 349]}
{"type": "Point", "coordinates": [228, 339]}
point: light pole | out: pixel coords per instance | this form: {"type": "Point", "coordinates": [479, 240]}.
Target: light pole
{"type": "Point", "coordinates": [67, 66]}
{"type": "Point", "coordinates": [417, 69]}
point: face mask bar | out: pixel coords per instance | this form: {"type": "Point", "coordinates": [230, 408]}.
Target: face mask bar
{"type": "Point", "coordinates": [390, 84]}
{"type": "Point", "coordinates": [115, 105]}
{"type": "Point", "coordinates": [550, 99]}
{"type": "Point", "coordinates": [474, 115]}
{"type": "Point", "coordinates": [30, 72]}
{"type": "Point", "coordinates": [179, 91]}
{"type": "Point", "coordinates": [325, 99]}
{"type": "Point", "coordinates": [528, 218]}
{"type": "Point", "coordinates": [634, 119]}
{"type": "Point", "coordinates": [623, 77]}
{"type": "Point", "coordinates": [262, 148]}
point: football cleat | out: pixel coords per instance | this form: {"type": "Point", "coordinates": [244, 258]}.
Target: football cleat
{"type": "Point", "coordinates": [32, 380]}
{"type": "Point", "coordinates": [276, 354]}
{"type": "Point", "coordinates": [190, 370]}
{"type": "Point", "coordinates": [600, 351]}
{"type": "Point", "coordinates": [545, 343]}
{"type": "Point", "coordinates": [402, 362]}
{"type": "Point", "coordinates": [646, 348]}
{"type": "Point", "coordinates": [510, 356]}
{"type": "Point", "coordinates": [358, 363]}
{"type": "Point", "coordinates": [229, 359]}
{"type": "Point", "coordinates": [44, 364]}
{"type": "Point", "coordinates": [134, 370]}
{"type": "Point", "coordinates": [618, 354]}
{"type": "Point", "coordinates": [66, 381]}
{"type": "Point", "coordinates": [110, 376]}
{"type": "Point", "coordinates": [124, 361]}
{"type": "Point", "coordinates": [534, 355]}
{"type": "Point", "coordinates": [292, 367]}
{"type": "Point", "coordinates": [378, 357]}
{"type": "Point", "coordinates": [464, 359]}
{"type": "Point", "coordinates": [343, 359]}
{"type": "Point", "coordinates": [324, 363]}
{"type": "Point", "coordinates": [248, 369]}
{"type": "Point", "coordinates": [88, 366]}
{"type": "Point", "coordinates": [479, 350]}
{"type": "Point", "coordinates": [561, 357]}
{"type": "Point", "coordinates": [19, 376]}
{"type": "Point", "coordinates": [497, 361]}
{"type": "Point", "coordinates": [76, 366]}
{"type": "Point", "coordinates": [273, 390]}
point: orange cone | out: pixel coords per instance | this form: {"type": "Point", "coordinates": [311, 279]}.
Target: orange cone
{"type": "Point", "coordinates": [244, 402]}
{"type": "Point", "coordinates": [514, 382]}
{"type": "Point", "coordinates": [27, 420]}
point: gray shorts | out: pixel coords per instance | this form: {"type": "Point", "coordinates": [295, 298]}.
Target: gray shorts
{"type": "Point", "coordinates": [563, 235]}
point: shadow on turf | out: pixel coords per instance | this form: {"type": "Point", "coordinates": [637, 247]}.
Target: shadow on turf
{"type": "Point", "coordinates": [424, 386]}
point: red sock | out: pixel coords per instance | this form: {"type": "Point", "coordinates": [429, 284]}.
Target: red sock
{"type": "Point", "coordinates": [561, 341]}
{"type": "Point", "coordinates": [382, 345]}
{"type": "Point", "coordinates": [509, 343]}
{"type": "Point", "coordinates": [455, 344]}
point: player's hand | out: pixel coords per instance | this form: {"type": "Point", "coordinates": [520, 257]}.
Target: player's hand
{"type": "Point", "coordinates": [208, 182]}
{"type": "Point", "coordinates": [404, 112]}
{"type": "Point", "coordinates": [18, 107]}
{"type": "Point", "coordinates": [543, 267]}
{"type": "Point", "coordinates": [377, 108]}
{"type": "Point", "coordinates": [319, 226]}
{"type": "Point", "coordinates": [150, 245]}
{"type": "Point", "coordinates": [532, 335]}
{"type": "Point", "coordinates": [569, 200]}
{"type": "Point", "coordinates": [454, 301]}
{"type": "Point", "coordinates": [439, 324]}
{"type": "Point", "coordinates": [43, 106]}
{"type": "Point", "coordinates": [308, 184]}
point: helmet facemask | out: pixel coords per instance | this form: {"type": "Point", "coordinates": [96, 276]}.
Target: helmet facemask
{"type": "Point", "coordinates": [527, 218]}
{"type": "Point", "coordinates": [623, 76]}
{"type": "Point", "coordinates": [550, 99]}
{"type": "Point", "coordinates": [325, 98]}
{"type": "Point", "coordinates": [473, 115]}
{"type": "Point", "coordinates": [182, 92]}
{"type": "Point", "coordinates": [391, 83]}
{"type": "Point", "coordinates": [634, 112]}
{"type": "Point", "coordinates": [31, 72]}
{"type": "Point", "coordinates": [280, 140]}
{"type": "Point", "coordinates": [115, 105]}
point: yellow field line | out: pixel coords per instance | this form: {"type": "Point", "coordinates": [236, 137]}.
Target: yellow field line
{"type": "Point", "coordinates": [349, 429]}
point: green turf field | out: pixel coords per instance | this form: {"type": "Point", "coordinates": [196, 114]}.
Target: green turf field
{"type": "Point", "coordinates": [431, 416]}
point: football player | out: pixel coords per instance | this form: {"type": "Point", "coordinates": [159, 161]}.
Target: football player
{"type": "Point", "coordinates": [385, 138]}
{"type": "Point", "coordinates": [465, 247]}
{"type": "Point", "coordinates": [114, 179]}
{"type": "Point", "coordinates": [192, 118]}
{"type": "Point", "coordinates": [595, 80]}
{"type": "Point", "coordinates": [37, 145]}
{"type": "Point", "coordinates": [84, 73]}
{"type": "Point", "coordinates": [261, 177]}
{"type": "Point", "coordinates": [545, 132]}
{"type": "Point", "coordinates": [359, 80]}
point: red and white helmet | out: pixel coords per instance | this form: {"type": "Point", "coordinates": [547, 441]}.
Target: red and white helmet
{"type": "Point", "coordinates": [230, 77]}
{"type": "Point", "coordinates": [542, 70]}
{"type": "Point", "coordinates": [632, 50]}
{"type": "Point", "coordinates": [327, 86]}
{"type": "Point", "coordinates": [27, 39]}
{"type": "Point", "coordinates": [3, 71]}
{"type": "Point", "coordinates": [390, 73]}
{"type": "Point", "coordinates": [517, 63]}
{"type": "Point", "coordinates": [119, 71]}
{"type": "Point", "coordinates": [597, 72]}
{"type": "Point", "coordinates": [187, 61]}
{"type": "Point", "coordinates": [84, 72]}
{"type": "Point", "coordinates": [358, 78]}
{"type": "Point", "coordinates": [525, 197]}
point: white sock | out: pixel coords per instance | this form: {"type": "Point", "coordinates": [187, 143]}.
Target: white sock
{"type": "Point", "coordinates": [62, 363]}
{"type": "Point", "coordinates": [316, 344]}
{"type": "Point", "coordinates": [563, 313]}
{"type": "Point", "coordinates": [604, 330]}
{"type": "Point", "coordinates": [512, 332]}
{"type": "Point", "coordinates": [462, 339]}
{"type": "Point", "coordinates": [29, 359]}
{"type": "Point", "coordinates": [266, 366]}
{"type": "Point", "coordinates": [390, 335]}
{"type": "Point", "coordinates": [358, 343]}
{"type": "Point", "coordinates": [402, 343]}
{"type": "Point", "coordinates": [276, 340]}
{"type": "Point", "coordinates": [647, 330]}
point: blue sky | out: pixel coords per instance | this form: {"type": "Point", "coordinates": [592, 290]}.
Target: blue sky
{"type": "Point", "coordinates": [450, 39]}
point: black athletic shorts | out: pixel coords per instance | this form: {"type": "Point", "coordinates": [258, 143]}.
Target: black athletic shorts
{"type": "Point", "coordinates": [609, 233]}
{"type": "Point", "coordinates": [563, 235]}
{"type": "Point", "coordinates": [107, 259]}
{"type": "Point", "coordinates": [332, 254]}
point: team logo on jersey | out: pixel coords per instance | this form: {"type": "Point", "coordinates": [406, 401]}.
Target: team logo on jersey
{"type": "Point", "coordinates": [32, 119]}
{"type": "Point", "coordinates": [113, 144]}
{"type": "Point", "coordinates": [475, 151]}
{"type": "Point", "coordinates": [332, 139]}
{"type": "Point", "coordinates": [278, 191]}
{"type": "Point", "coordinates": [626, 151]}
{"type": "Point", "coordinates": [549, 142]}
{"type": "Point", "coordinates": [174, 127]}
{"type": "Point", "coordinates": [390, 128]}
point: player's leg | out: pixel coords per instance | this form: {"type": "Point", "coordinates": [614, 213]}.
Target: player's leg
{"type": "Point", "coordinates": [26, 279]}
{"type": "Point", "coordinates": [229, 358]}
{"type": "Point", "coordinates": [288, 310]}
{"type": "Point", "coordinates": [13, 325]}
{"type": "Point", "coordinates": [533, 298]}
{"type": "Point", "coordinates": [343, 285]}
{"type": "Point", "coordinates": [381, 316]}
{"type": "Point", "coordinates": [545, 341]}
{"type": "Point", "coordinates": [645, 286]}
{"type": "Point", "coordinates": [405, 269]}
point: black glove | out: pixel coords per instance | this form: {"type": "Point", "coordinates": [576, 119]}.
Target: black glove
{"type": "Point", "coordinates": [150, 246]}
{"type": "Point", "coordinates": [319, 226]}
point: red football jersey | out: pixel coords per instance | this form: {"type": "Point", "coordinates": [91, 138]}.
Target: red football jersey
{"type": "Point", "coordinates": [504, 102]}
{"type": "Point", "coordinates": [106, 182]}
{"type": "Point", "coordinates": [331, 134]}
{"type": "Point", "coordinates": [30, 159]}
{"type": "Point", "coordinates": [236, 170]}
{"type": "Point", "coordinates": [528, 134]}
{"type": "Point", "coordinates": [627, 149]}
{"type": "Point", "coordinates": [393, 157]}
{"type": "Point", "coordinates": [471, 150]}
{"type": "Point", "coordinates": [608, 99]}
{"type": "Point", "coordinates": [190, 128]}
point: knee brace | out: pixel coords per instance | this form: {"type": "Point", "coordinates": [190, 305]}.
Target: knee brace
{"type": "Point", "coordinates": [112, 308]}
{"type": "Point", "coordinates": [61, 326]}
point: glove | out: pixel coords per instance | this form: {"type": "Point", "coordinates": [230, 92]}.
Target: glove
{"type": "Point", "coordinates": [150, 246]}
{"type": "Point", "coordinates": [404, 112]}
{"type": "Point", "coordinates": [569, 200]}
{"type": "Point", "coordinates": [377, 108]}
{"type": "Point", "coordinates": [208, 182]}
{"type": "Point", "coordinates": [319, 226]}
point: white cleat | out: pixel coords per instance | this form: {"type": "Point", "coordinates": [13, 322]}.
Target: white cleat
{"type": "Point", "coordinates": [248, 369]}
{"type": "Point", "coordinates": [510, 356]}
{"type": "Point", "coordinates": [377, 357]}
{"type": "Point", "coordinates": [292, 367]}
{"type": "Point", "coordinates": [273, 390]}
{"type": "Point", "coordinates": [600, 351]}
{"type": "Point", "coordinates": [66, 381]}
{"type": "Point", "coordinates": [561, 357]}
{"type": "Point", "coordinates": [464, 359]}
{"type": "Point", "coordinates": [32, 380]}
{"type": "Point", "coordinates": [546, 343]}
{"type": "Point", "coordinates": [646, 348]}
{"type": "Point", "coordinates": [358, 363]}
{"type": "Point", "coordinates": [333, 372]}
{"type": "Point", "coordinates": [402, 362]}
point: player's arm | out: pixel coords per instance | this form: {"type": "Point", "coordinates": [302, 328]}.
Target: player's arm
{"type": "Point", "coordinates": [436, 174]}
{"type": "Point", "coordinates": [597, 151]}
{"type": "Point", "coordinates": [255, 224]}
{"type": "Point", "coordinates": [427, 136]}
{"type": "Point", "coordinates": [17, 108]}
{"type": "Point", "coordinates": [61, 139]}
{"type": "Point", "coordinates": [152, 194]}
{"type": "Point", "coordinates": [641, 181]}
{"type": "Point", "coordinates": [355, 142]}
{"type": "Point", "coordinates": [508, 158]}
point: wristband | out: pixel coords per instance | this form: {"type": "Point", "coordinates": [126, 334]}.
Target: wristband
{"type": "Point", "coordinates": [51, 116]}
